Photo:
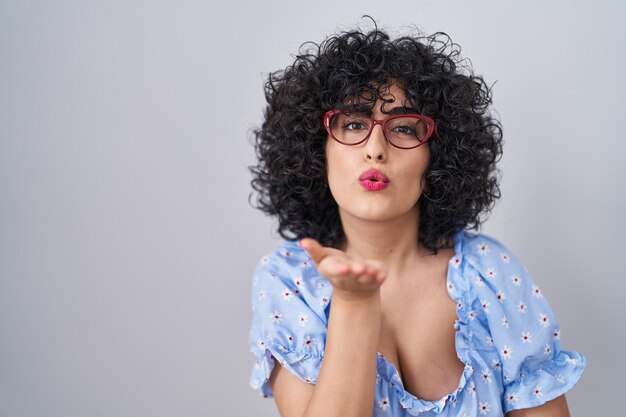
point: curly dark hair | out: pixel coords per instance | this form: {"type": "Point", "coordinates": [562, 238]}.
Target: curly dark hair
{"type": "Point", "coordinates": [462, 179]}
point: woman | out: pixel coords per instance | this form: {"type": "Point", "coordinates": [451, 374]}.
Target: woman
{"type": "Point", "coordinates": [377, 156]}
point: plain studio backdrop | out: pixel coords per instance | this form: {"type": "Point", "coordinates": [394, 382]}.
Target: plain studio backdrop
{"type": "Point", "coordinates": [127, 243]}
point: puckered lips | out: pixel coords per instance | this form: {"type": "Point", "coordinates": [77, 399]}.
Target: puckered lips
{"type": "Point", "coordinates": [373, 180]}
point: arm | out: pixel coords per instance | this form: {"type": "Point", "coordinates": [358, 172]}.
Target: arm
{"type": "Point", "coordinates": [554, 408]}
{"type": "Point", "coordinates": [345, 386]}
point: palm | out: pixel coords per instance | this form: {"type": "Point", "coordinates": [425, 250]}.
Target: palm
{"type": "Point", "coordinates": [348, 276]}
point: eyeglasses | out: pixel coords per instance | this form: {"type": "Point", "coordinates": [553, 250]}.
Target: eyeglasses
{"type": "Point", "coordinates": [404, 131]}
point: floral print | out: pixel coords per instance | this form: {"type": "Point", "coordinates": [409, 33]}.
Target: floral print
{"type": "Point", "coordinates": [506, 333]}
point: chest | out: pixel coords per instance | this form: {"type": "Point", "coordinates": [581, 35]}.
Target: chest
{"type": "Point", "coordinates": [418, 338]}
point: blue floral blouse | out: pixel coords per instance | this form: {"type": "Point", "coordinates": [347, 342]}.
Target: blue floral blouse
{"type": "Point", "coordinates": [506, 333]}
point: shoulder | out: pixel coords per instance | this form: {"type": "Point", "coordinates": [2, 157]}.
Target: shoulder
{"type": "Point", "coordinates": [290, 265]}
{"type": "Point", "coordinates": [481, 246]}
{"type": "Point", "coordinates": [480, 255]}
{"type": "Point", "coordinates": [286, 278]}
{"type": "Point", "coordinates": [496, 283]}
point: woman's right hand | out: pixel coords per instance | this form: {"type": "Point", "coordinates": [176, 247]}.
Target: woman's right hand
{"type": "Point", "coordinates": [351, 279]}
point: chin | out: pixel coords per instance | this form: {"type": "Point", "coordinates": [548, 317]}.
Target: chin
{"type": "Point", "coordinates": [376, 213]}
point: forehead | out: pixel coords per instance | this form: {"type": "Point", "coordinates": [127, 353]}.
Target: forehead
{"type": "Point", "coordinates": [378, 98]}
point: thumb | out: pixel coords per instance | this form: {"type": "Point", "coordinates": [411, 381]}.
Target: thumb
{"type": "Point", "coordinates": [313, 248]}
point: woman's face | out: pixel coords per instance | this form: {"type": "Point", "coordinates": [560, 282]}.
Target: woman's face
{"type": "Point", "coordinates": [393, 188]}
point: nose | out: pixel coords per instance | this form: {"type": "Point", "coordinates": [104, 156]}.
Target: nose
{"type": "Point", "coordinates": [376, 145]}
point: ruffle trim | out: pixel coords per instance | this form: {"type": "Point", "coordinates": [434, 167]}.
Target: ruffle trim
{"type": "Point", "coordinates": [413, 405]}
{"type": "Point", "coordinates": [304, 365]}
{"type": "Point", "coordinates": [546, 383]}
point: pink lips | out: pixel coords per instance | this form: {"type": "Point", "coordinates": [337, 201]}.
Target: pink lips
{"type": "Point", "coordinates": [373, 180]}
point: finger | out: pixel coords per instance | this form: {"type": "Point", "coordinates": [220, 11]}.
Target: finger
{"type": "Point", "coordinates": [313, 248]}
{"type": "Point", "coordinates": [356, 268]}
{"type": "Point", "coordinates": [377, 270]}
{"type": "Point", "coordinates": [333, 266]}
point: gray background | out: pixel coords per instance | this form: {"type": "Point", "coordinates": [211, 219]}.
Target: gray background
{"type": "Point", "coordinates": [127, 244]}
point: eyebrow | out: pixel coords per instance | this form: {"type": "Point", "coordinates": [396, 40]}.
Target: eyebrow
{"type": "Point", "coordinates": [401, 110]}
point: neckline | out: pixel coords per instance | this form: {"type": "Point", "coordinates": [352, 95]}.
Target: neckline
{"type": "Point", "coordinates": [388, 371]}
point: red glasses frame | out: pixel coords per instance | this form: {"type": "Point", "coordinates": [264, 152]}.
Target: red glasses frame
{"type": "Point", "coordinates": [430, 124]}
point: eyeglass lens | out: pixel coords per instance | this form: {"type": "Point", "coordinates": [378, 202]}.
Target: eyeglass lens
{"type": "Point", "coordinates": [404, 131]}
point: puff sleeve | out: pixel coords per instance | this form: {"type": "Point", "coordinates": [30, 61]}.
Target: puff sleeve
{"type": "Point", "coordinates": [289, 316]}
{"type": "Point", "coordinates": [523, 328]}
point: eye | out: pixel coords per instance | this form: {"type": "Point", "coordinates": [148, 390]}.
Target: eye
{"type": "Point", "coordinates": [405, 130]}
{"type": "Point", "coordinates": [354, 125]}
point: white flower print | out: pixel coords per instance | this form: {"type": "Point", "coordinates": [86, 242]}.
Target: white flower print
{"type": "Point", "coordinates": [536, 291]}
{"type": "Point", "coordinates": [505, 258]}
{"type": "Point", "coordinates": [489, 341]}
{"type": "Point", "coordinates": [287, 295]}
{"type": "Point", "coordinates": [516, 280]}
{"type": "Point", "coordinates": [323, 300]}
{"type": "Point", "coordinates": [521, 307]}
{"type": "Point", "coordinates": [495, 364]}
{"type": "Point", "coordinates": [511, 398]}
{"type": "Point", "coordinates": [276, 317]}
{"type": "Point", "coordinates": [491, 273]}
{"type": "Point", "coordinates": [486, 376]}
{"type": "Point", "coordinates": [556, 334]}
{"type": "Point", "coordinates": [459, 306]}
{"type": "Point", "coordinates": [260, 344]}
{"type": "Point", "coordinates": [450, 287]}
{"type": "Point", "coordinates": [480, 282]}
{"type": "Point", "coordinates": [501, 296]}
{"type": "Point", "coordinates": [308, 342]}
{"type": "Point", "coordinates": [560, 379]}
{"type": "Point", "coordinates": [547, 350]}
{"type": "Point", "coordinates": [544, 320]}
{"type": "Point", "coordinates": [471, 315]}
{"type": "Point", "coordinates": [472, 388]}
{"type": "Point", "coordinates": [505, 322]}
{"type": "Point", "coordinates": [261, 294]}
{"type": "Point", "coordinates": [506, 352]}
{"type": "Point", "coordinates": [383, 404]}
{"type": "Point", "coordinates": [286, 253]}
{"type": "Point", "coordinates": [302, 319]}
{"type": "Point", "coordinates": [537, 391]}
{"type": "Point", "coordinates": [456, 261]}
{"type": "Point", "coordinates": [309, 379]}
{"type": "Point", "coordinates": [526, 337]}
{"type": "Point", "coordinates": [483, 248]}
{"type": "Point", "coordinates": [290, 339]}
{"type": "Point", "coordinates": [321, 284]}
{"type": "Point", "coordinates": [298, 282]}
{"type": "Point", "coordinates": [255, 280]}
{"type": "Point", "coordinates": [485, 305]}
{"type": "Point", "coordinates": [265, 260]}
{"type": "Point", "coordinates": [483, 407]}
{"type": "Point", "coordinates": [305, 264]}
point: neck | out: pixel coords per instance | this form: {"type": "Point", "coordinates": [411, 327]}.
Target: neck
{"type": "Point", "coordinates": [393, 241]}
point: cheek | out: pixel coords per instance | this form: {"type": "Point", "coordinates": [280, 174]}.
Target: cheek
{"type": "Point", "coordinates": [333, 163]}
